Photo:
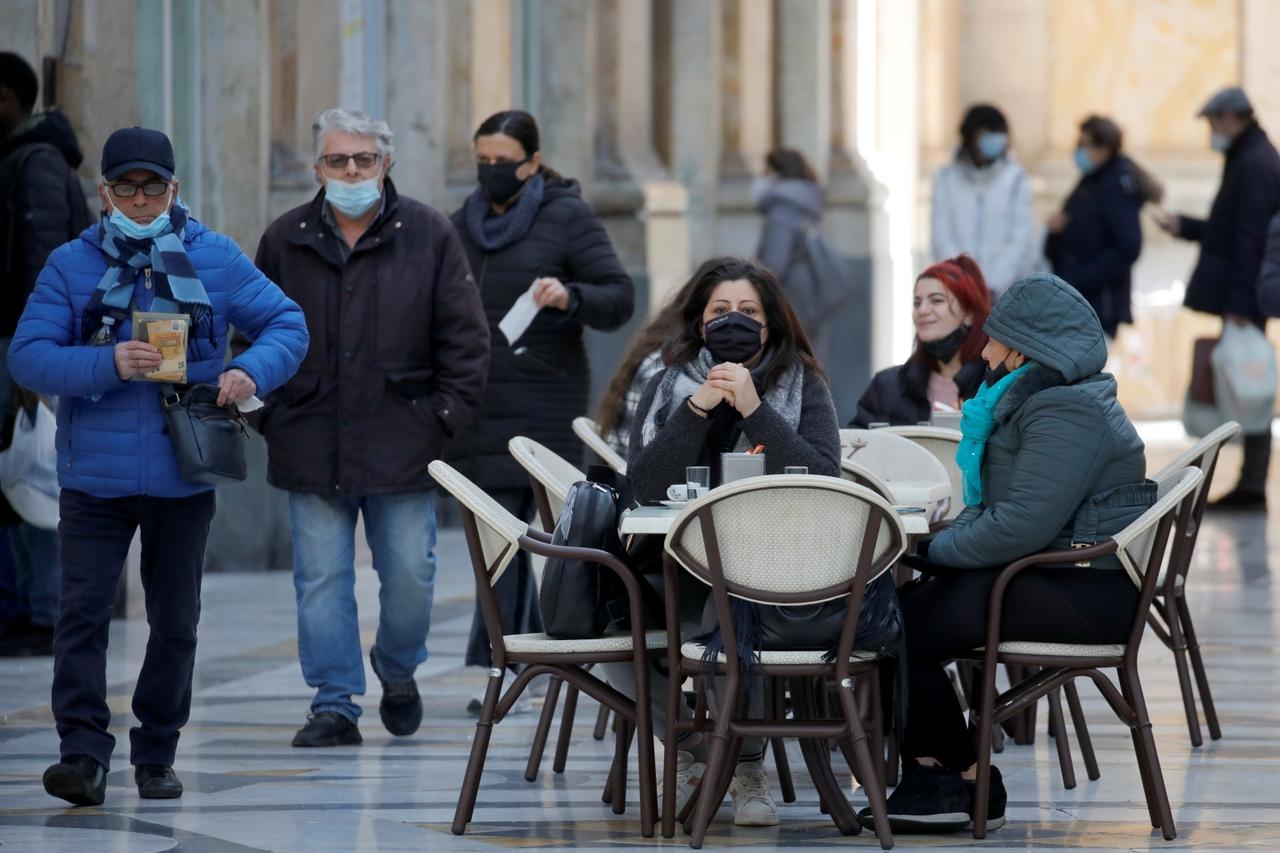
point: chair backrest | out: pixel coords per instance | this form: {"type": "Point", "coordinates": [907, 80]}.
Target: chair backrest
{"type": "Point", "coordinates": [890, 457]}
{"type": "Point", "coordinates": [589, 432]}
{"type": "Point", "coordinates": [787, 538]}
{"type": "Point", "coordinates": [496, 532]}
{"type": "Point", "coordinates": [550, 473]}
{"type": "Point", "coordinates": [1203, 454]}
{"type": "Point", "coordinates": [1139, 540]}
{"type": "Point", "coordinates": [855, 473]}
{"type": "Point", "coordinates": [942, 443]}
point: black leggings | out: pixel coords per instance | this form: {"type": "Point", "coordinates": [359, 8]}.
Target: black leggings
{"type": "Point", "coordinates": [946, 616]}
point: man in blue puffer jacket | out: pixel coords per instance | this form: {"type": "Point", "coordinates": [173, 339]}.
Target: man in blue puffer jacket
{"type": "Point", "coordinates": [116, 465]}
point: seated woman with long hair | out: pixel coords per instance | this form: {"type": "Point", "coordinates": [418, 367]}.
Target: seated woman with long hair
{"type": "Point", "coordinates": [949, 306]}
{"type": "Point", "coordinates": [1050, 460]}
{"type": "Point", "coordinates": [740, 372]}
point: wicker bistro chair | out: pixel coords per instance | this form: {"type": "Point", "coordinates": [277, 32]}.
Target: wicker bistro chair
{"type": "Point", "coordinates": [493, 538]}
{"type": "Point", "coordinates": [942, 444]}
{"type": "Point", "coordinates": [551, 476]}
{"type": "Point", "coordinates": [1141, 549]}
{"type": "Point", "coordinates": [824, 539]}
{"type": "Point", "coordinates": [1170, 618]}
{"type": "Point", "coordinates": [587, 430]}
{"type": "Point", "coordinates": [891, 458]}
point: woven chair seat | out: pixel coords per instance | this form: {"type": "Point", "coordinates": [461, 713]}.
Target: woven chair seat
{"type": "Point", "coordinates": [546, 645]}
{"type": "Point", "coordinates": [1066, 650]}
{"type": "Point", "coordinates": [796, 657]}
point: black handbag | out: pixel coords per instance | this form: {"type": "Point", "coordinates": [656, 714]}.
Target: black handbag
{"type": "Point", "coordinates": [208, 439]}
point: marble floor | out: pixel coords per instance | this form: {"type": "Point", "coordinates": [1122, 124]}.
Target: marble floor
{"type": "Point", "coordinates": [248, 790]}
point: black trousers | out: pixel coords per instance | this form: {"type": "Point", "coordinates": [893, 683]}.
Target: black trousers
{"type": "Point", "coordinates": [946, 616]}
{"type": "Point", "coordinates": [516, 591]}
{"type": "Point", "coordinates": [95, 534]}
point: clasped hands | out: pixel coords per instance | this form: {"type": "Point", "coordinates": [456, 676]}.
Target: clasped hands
{"type": "Point", "coordinates": [728, 383]}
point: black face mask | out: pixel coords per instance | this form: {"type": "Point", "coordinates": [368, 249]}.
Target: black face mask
{"type": "Point", "coordinates": [995, 374]}
{"type": "Point", "coordinates": [732, 337]}
{"type": "Point", "coordinates": [499, 181]}
{"type": "Point", "coordinates": [944, 349]}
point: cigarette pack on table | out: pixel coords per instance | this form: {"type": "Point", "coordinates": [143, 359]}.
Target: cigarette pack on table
{"type": "Point", "coordinates": [167, 333]}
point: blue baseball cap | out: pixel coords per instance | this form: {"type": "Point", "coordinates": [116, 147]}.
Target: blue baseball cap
{"type": "Point", "coordinates": [137, 148]}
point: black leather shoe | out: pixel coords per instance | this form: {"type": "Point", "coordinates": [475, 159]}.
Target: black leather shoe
{"type": "Point", "coordinates": [157, 782]}
{"type": "Point", "coordinates": [328, 728]}
{"type": "Point", "coordinates": [1240, 500]}
{"type": "Point", "coordinates": [401, 705]}
{"type": "Point", "coordinates": [927, 800]}
{"type": "Point", "coordinates": [78, 779]}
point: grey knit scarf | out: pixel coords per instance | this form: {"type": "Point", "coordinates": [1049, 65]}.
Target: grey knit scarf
{"type": "Point", "coordinates": [677, 383]}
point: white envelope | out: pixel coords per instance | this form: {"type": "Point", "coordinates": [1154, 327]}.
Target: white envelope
{"type": "Point", "coordinates": [519, 318]}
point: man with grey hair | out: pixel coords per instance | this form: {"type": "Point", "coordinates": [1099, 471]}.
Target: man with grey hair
{"type": "Point", "coordinates": [1232, 243]}
{"type": "Point", "coordinates": [397, 363]}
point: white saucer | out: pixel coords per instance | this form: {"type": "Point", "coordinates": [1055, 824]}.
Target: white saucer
{"type": "Point", "coordinates": [675, 504]}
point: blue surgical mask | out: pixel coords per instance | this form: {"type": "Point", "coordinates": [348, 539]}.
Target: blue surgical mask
{"type": "Point", "coordinates": [1219, 142]}
{"type": "Point", "coordinates": [127, 227]}
{"type": "Point", "coordinates": [352, 199]}
{"type": "Point", "coordinates": [1083, 160]}
{"type": "Point", "coordinates": [992, 145]}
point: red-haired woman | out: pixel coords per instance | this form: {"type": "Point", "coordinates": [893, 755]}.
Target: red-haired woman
{"type": "Point", "coordinates": [951, 304]}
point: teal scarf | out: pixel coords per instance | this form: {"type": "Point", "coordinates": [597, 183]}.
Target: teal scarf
{"type": "Point", "coordinates": [977, 421]}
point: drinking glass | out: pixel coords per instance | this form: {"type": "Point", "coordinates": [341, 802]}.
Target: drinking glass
{"type": "Point", "coordinates": [698, 480]}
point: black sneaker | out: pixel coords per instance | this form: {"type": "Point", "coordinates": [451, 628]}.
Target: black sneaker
{"type": "Point", "coordinates": [1240, 500]}
{"type": "Point", "coordinates": [78, 779]}
{"type": "Point", "coordinates": [995, 801]}
{"type": "Point", "coordinates": [157, 782]}
{"type": "Point", "coordinates": [328, 728]}
{"type": "Point", "coordinates": [927, 800]}
{"type": "Point", "coordinates": [401, 705]}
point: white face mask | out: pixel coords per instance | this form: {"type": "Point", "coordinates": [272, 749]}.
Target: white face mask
{"type": "Point", "coordinates": [1219, 142]}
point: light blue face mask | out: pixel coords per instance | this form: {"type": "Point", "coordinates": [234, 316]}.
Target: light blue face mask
{"type": "Point", "coordinates": [127, 227]}
{"type": "Point", "coordinates": [992, 145]}
{"type": "Point", "coordinates": [352, 199]}
{"type": "Point", "coordinates": [1083, 161]}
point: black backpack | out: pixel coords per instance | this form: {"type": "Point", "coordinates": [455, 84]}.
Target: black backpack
{"type": "Point", "coordinates": [579, 599]}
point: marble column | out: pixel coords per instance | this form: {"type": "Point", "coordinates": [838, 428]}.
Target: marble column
{"type": "Point", "coordinates": [804, 79]}
{"type": "Point", "coordinates": [491, 58]}
{"type": "Point", "coordinates": [1260, 61]}
{"type": "Point", "coordinates": [560, 92]}
{"type": "Point", "coordinates": [417, 81]}
{"type": "Point", "coordinates": [99, 78]}
{"type": "Point", "coordinates": [755, 82]}
{"type": "Point", "coordinates": [695, 103]}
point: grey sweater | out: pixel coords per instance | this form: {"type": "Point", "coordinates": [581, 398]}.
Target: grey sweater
{"type": "Point", "coordinates": [682, 440]}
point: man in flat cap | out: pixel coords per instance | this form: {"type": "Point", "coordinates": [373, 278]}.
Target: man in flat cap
{"type": "Point", "coordinates": [1232, 241]}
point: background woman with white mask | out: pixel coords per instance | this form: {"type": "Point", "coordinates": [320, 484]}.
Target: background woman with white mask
{"type": "Point", "coordinates": [982, 202]}
{"type": "Point", "coordinates": [527, 227]}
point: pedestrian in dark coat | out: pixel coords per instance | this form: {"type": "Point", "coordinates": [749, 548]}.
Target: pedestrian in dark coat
{"type": "Point", "coordinates": [950, 305]}
{"type": "Point", "coordinates": [399, 350]}
{"type": "Point", "coordinates": [1232, 242]}
{"type": "Point", "coordinates": [42, 206]}
{"type": "Point", "coordinates": [524, 227]}
{"type": "Point", "coordinates": [1094, 241]}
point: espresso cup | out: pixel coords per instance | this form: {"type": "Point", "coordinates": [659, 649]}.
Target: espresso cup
{"type": "Point", "coordinates": [678, 492]}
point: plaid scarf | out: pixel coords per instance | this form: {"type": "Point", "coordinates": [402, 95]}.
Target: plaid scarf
{"type": "Point", "coordinates": [177, 287]}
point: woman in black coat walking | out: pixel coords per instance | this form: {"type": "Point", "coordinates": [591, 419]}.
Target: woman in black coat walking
{"type": "Point", "coordinates": [528, 228]}
{"type": "Point", "coordinates": [1095, 239]}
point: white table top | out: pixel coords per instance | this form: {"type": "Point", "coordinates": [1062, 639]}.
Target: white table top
{"type": "Point", "coordinates": [657, 520]}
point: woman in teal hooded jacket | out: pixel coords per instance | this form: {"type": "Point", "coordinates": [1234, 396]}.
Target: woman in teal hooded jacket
{"type": "Point", "coordinates": [1050, 460]}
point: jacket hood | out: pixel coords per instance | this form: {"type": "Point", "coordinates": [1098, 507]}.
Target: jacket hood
{"type": "Point", "coordinates": [1048, 320]}
{"type": "Point", "coordinates": [51, 127]}
{"type": "Point", "coordinates": [806, 196]}
{"type": "Point", "coordinates": [560, 186]}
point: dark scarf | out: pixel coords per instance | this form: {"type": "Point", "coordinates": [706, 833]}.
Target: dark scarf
{"type": "Point", "coordinates": [177, 287]}
{"type": "Point", "coordinates": [493, 232]}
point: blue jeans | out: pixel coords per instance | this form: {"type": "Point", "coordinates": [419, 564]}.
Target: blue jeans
{"type": "Point", "coordinates": [35, 558]}
{"type": "Point", "coordinates": [401, 531]}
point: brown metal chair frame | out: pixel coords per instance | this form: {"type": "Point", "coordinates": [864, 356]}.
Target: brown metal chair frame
{"type": "Point", "coordinates": [1054, 671]}
{"type": "Point", "coordinates": [807, 681]}
{"type": "Point", "coordinates": [566, 666]}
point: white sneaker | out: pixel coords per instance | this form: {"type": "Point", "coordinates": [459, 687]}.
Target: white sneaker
{"type": "Point", "coordinates": [753, 803]}
{"type": "Point", "coordinates": [688, 772]}
{"type": "Point", "coordinates": [522, 705]}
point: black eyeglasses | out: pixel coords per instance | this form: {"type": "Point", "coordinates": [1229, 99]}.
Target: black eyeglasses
{"type": "Point", "coordinates": [128, 189]}
{"type": "Point", "coordinates": [364, 160]}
